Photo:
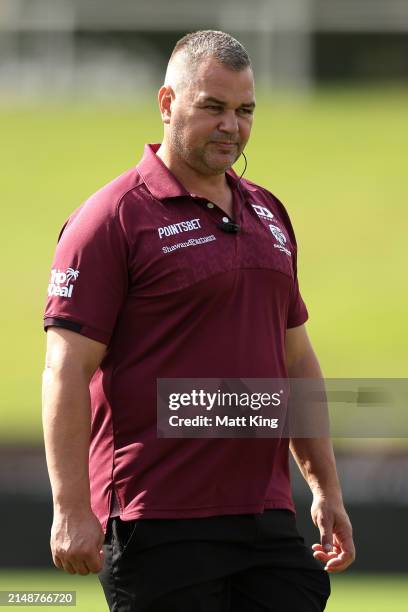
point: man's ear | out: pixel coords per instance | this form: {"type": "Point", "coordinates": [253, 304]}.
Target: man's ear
{"type": "Point", "coordinates": [165, 96]}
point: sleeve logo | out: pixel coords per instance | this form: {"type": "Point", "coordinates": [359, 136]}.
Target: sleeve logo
{"type": "Point", "coordinates": [61, 283]}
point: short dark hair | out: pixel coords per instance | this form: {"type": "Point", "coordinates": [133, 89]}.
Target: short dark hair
{"type": "Point", "coordinates": [216, 44]}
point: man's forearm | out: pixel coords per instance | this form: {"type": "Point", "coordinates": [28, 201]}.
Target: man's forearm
{"type": "Point", "coordinates": [316, 461]}
{"type": "Point", "coordinates": [67, 423]}
{"type": "Point", "coordinates": [314, 456]}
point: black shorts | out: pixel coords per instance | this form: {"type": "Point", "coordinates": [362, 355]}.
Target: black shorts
{"type": "Point", "coordinates": [234, 563]}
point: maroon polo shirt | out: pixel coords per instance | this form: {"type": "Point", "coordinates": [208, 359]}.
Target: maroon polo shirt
{"type": "Point", "coordinates": [145, 268]}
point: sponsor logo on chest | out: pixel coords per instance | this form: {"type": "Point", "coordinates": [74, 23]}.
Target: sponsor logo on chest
{"type": "Point", "coordinates": [280, 239]}
{"type": "Point", "coordinates": [62, 283]}
{"type": "Point", "coordinates": [178, 228]}
{"type": "Point", "coordinates": [262, 211]}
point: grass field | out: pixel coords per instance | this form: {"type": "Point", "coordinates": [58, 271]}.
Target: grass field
{"type": "Point", "coordinates": [337, 159]}
{"type": "Point", "coordinates": [350, 593]}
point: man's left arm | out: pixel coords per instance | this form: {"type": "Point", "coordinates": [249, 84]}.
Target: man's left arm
{"type": "Point", "coordinates": [316, 461]}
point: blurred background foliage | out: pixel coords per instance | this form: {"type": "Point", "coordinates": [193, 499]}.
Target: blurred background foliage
{"type": "Point", "coordinates": [78, 101]}
{"type": "Point", "coordinates": [336, 158]}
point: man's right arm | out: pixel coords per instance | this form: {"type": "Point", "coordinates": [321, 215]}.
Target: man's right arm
{"type": "Point", "coordinates": [76, 534]}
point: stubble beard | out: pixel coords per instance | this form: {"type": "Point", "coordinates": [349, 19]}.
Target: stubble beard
{"type": "Point", "coordinates": [199, 158]}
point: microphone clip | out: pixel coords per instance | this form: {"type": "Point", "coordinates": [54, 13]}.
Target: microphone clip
{"type": "Point", "coordinates": [230, 227]}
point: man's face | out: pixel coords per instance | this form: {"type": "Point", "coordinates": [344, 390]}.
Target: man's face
{"type": "Point", "coordinates": [211, 117]}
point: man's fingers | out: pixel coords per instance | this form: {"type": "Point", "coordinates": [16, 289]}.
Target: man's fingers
{"type": "Point", "coordinates": [82, 569]}
{"type": "Point", "coordinates": [326, 534]}
{"type": "Point", "coordinates": [324, 557]}
{"type": "Point", "coordinates": [319, 547]}
{"type": "Point", "coordinates": [340, 562]}
{"type": "Point", "coordinates": [95, 564]}
{"type": "Point", "coordinates": [80, 563]}
{"type": "Point", "coordinates": [346, 543]}
{"type": "Point", "coordinates": [341, 556]}
{"type": "Point", "coordinates": [68, 567]}
{"type": "Point", "coordinates": [57, 562]}
{"type": "Point", "coordinates": [337, 560]}
{"type": "Point", "coordinates": [90, 563]}
{"type": "Point", "coordinates": [321, 554]}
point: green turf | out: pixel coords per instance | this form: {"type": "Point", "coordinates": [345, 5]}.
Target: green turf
{"type": "Point", "coordinates": [338, 161]}
{"type": "Point", "coordinates": [350, 593]}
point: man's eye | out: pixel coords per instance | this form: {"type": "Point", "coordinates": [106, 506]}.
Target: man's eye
{"type": "Point", "coordinates": [247, 111]}
{"type": "Point", "coordinates": [213, 107]}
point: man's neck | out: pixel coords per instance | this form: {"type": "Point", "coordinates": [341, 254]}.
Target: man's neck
{"type": "Point", "coordinates": [208, 186]}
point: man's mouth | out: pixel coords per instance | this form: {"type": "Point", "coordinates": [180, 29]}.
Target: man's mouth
{"type": "Point", "coordinates": [226, 145]}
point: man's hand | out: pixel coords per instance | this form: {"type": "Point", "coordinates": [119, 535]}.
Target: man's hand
{"type": "Point", "coordinates": [336, 548]}
{"type": "Point", "coordinates": [76, 542]}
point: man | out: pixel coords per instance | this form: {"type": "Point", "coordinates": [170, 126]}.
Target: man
{"type": "Point", "coordinates": [178, 269]}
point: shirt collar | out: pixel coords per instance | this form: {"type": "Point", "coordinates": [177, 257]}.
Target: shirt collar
{"type": "Point", "coordinates": [162, 183]}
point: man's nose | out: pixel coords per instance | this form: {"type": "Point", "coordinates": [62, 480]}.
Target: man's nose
{"type": "Point", "coordinates": [229, 122]}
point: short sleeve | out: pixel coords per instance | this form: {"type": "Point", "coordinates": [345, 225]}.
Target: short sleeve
{"type": "Point", "coordinates": [89, 276]}
{"type": "Point", "coordinates": [297, 312]}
